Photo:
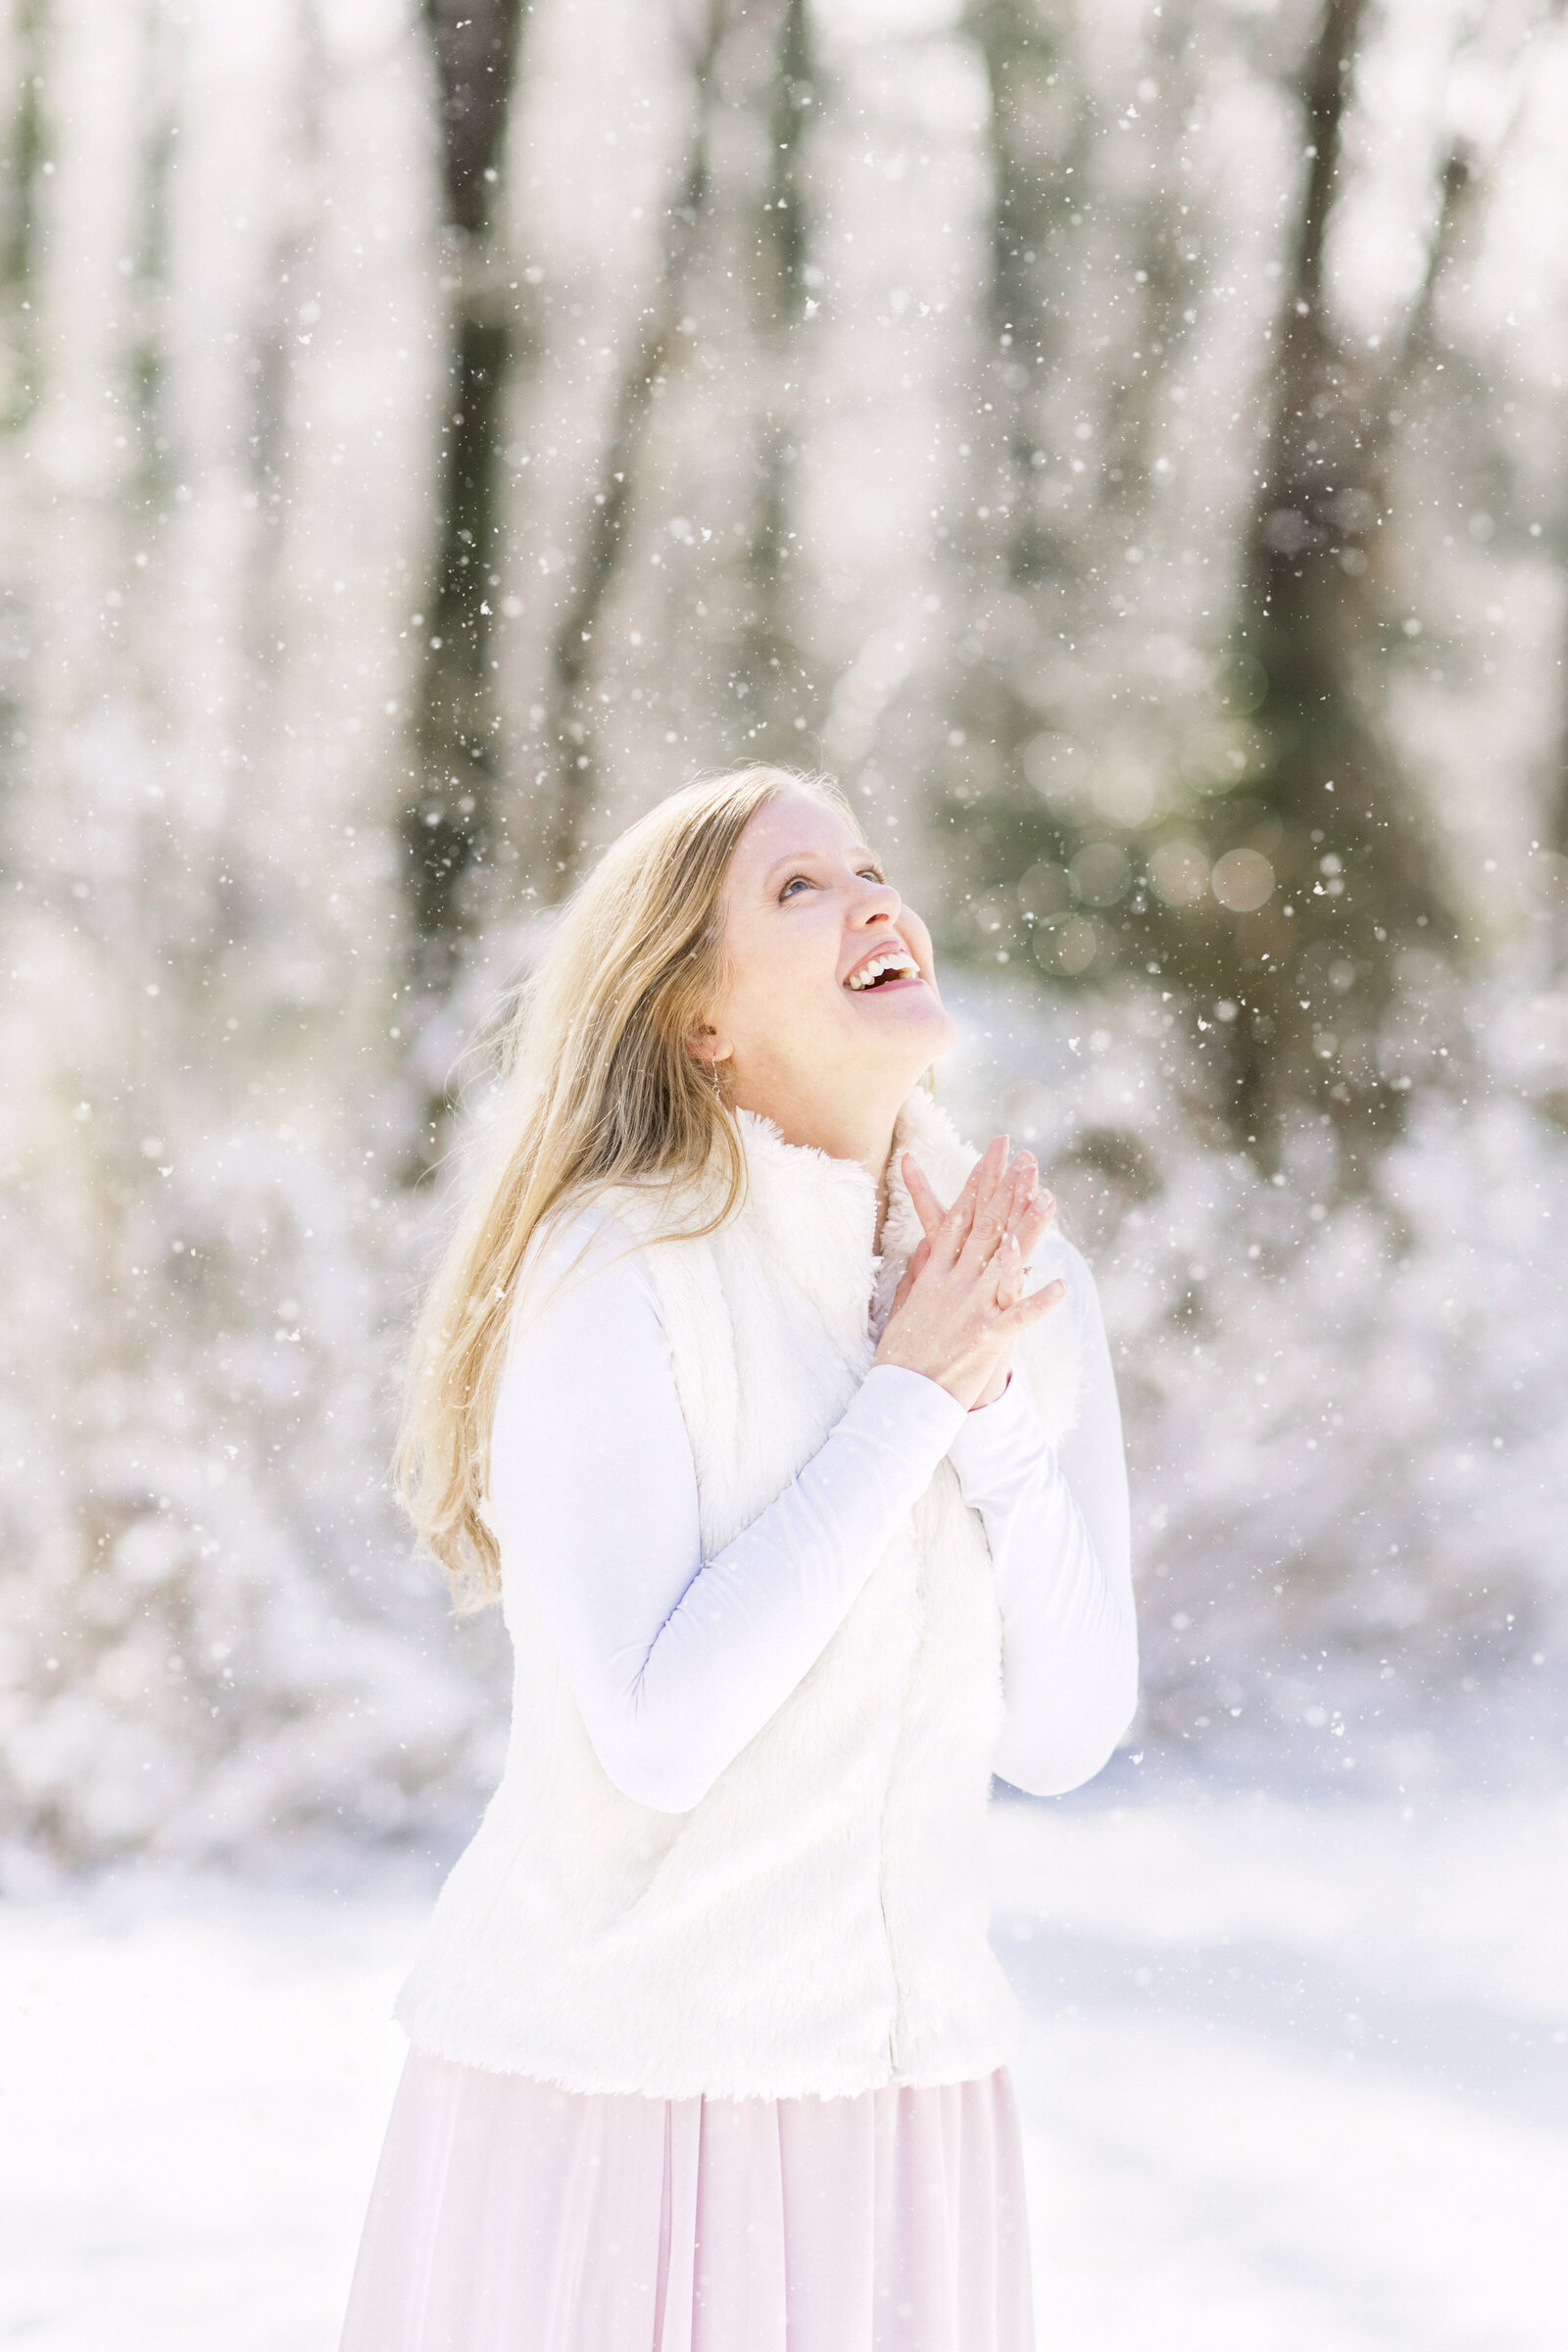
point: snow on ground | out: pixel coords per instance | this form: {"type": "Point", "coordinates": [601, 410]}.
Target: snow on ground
{"type": "Point", "coordinates": [1297, 2076]}
{"type": "Point", "coordinates": [1295, 2079]}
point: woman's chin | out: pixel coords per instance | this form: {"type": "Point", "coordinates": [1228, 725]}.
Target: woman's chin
{"type": "Point", "coordinates": [908, 1021]}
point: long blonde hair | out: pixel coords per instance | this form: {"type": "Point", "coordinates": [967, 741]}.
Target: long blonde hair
{"type": "Point", "coordinates": [601, 1088]}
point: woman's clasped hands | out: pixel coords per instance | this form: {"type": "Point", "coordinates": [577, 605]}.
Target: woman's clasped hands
{"type": "Point", "coordinates": [960, 1307]}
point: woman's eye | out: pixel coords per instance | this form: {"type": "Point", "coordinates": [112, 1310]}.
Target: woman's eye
{"type": "Point", "coordinates": [869, 874]}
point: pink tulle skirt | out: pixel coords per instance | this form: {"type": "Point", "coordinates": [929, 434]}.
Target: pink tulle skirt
{"type": "Point", "coordinates": [507, 2216]}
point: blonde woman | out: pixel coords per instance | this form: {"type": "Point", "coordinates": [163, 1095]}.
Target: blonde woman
{"type": "Point", "coordinates": [783, 1428]}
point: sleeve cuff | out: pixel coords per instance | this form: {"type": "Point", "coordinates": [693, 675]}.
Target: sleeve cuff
{"type": "Point", "coordinates": [905, 1404]}
{"type": "Point", "coordinates": [1003, 1438]}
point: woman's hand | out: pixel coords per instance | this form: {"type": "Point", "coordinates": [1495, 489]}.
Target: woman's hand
{"type": "Point", "coordinates": [1032, 1212]}
{"type": "Point", "coordinates": [960, 1307]}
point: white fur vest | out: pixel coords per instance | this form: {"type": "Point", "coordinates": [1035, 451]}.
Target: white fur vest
{"type": "Point", "coordinates": [818, 1921]}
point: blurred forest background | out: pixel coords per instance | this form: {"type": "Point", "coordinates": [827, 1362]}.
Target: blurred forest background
{"type": "Point", "coordinates": [1123, 442]}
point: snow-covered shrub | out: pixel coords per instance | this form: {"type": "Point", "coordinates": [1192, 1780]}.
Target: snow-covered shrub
{"type": "Point", "coordinates": [1347, 1408]}
{"type": "Point", "coordinates": [214, 1632]}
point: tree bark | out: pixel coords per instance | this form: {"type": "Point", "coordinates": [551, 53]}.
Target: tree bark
{"type": "Point", "coordinates": [1355, 879]}
{"type": "Point", "coordinates": [448, 821]}
{"type": "Point", "coordinates": [767, 245]}
{"type": "Point", "coordinates": [566, 729]}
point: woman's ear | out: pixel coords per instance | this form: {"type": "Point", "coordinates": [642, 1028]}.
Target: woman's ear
{"type": "Point", "coordinates": [709, 1044]}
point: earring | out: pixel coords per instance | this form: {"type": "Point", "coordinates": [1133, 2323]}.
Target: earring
{"type": "Point", "coordinates": [711, 1066]}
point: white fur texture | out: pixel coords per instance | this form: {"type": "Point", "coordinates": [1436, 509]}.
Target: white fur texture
{"type": "Point", "coordinates": [818, 1921]}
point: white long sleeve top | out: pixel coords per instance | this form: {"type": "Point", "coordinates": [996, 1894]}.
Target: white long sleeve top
{"type": "Point", "coordinates": [677, 1662]}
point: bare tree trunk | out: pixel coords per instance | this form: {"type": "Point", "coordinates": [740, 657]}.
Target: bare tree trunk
{"type": "Point", "coordinates": [770, 654]}
{"type": "Point", "coordinates": [1354, 879]}
{"type": "Point", "coordinates": [767, 244]}
{"type": "Point", "coordinates": [1329, 871]}
{"type": "Point", "coordinates": [1038, 136]}
{"type": "Point", "coordinates": [1040, 561]}
{"type": "Point", "coordinates": [1035, 135]}
{"type": "Point", "coordinates": [567, 731]}
{"type": "Point", "coordinates": [448, 821]}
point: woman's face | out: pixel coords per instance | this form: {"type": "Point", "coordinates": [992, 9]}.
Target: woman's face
{"type": "Point", "coordinates": [829, 989]}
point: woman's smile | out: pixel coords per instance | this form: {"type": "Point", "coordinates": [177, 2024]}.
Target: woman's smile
{"type": "Point", "coordinates": [889, 964]}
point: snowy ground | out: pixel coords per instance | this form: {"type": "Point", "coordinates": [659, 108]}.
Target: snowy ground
{"type": "Point", "coordinates": [1296, 2080]}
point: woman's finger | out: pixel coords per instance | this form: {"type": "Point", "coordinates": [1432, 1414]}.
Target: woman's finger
{"type": "Point", "coordinates": [993, 1209]}
{"type": "Point", "coordinates": [1009, 1272]}
{"type": "Point", "coordinates": [1030, 1224]}
{"type": "Point", "coordinates": [1036, 1303]}
{"type": "Point", "coordinates": [953, 1230]}
{"type": "Point", "coordinates": [991, 1168]}
{"type": "Point", "coordinates": [993, 1215]}
{"type": "Point", "coordinates": [919, 1259]}
{"type": "Point", "coordinates": [922, 1196]}
{"type": "Point", "coordinates": [1025, 1178]}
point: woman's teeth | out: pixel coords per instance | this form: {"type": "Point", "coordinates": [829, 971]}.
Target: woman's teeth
{"type": "Point", "coordinates": [903, 967]}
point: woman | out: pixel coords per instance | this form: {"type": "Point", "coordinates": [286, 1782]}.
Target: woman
{"type": "Point", "coordinates": [747, 1389]}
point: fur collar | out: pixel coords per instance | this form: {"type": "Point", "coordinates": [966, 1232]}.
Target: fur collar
{"type": "Point", "coordinates": [819, 1213]}
{"type": "Point", "coordinates": [776, 1169]}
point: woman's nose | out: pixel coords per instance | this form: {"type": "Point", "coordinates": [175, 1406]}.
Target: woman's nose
{"type": "Point", "coordinates": [880, 903]}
